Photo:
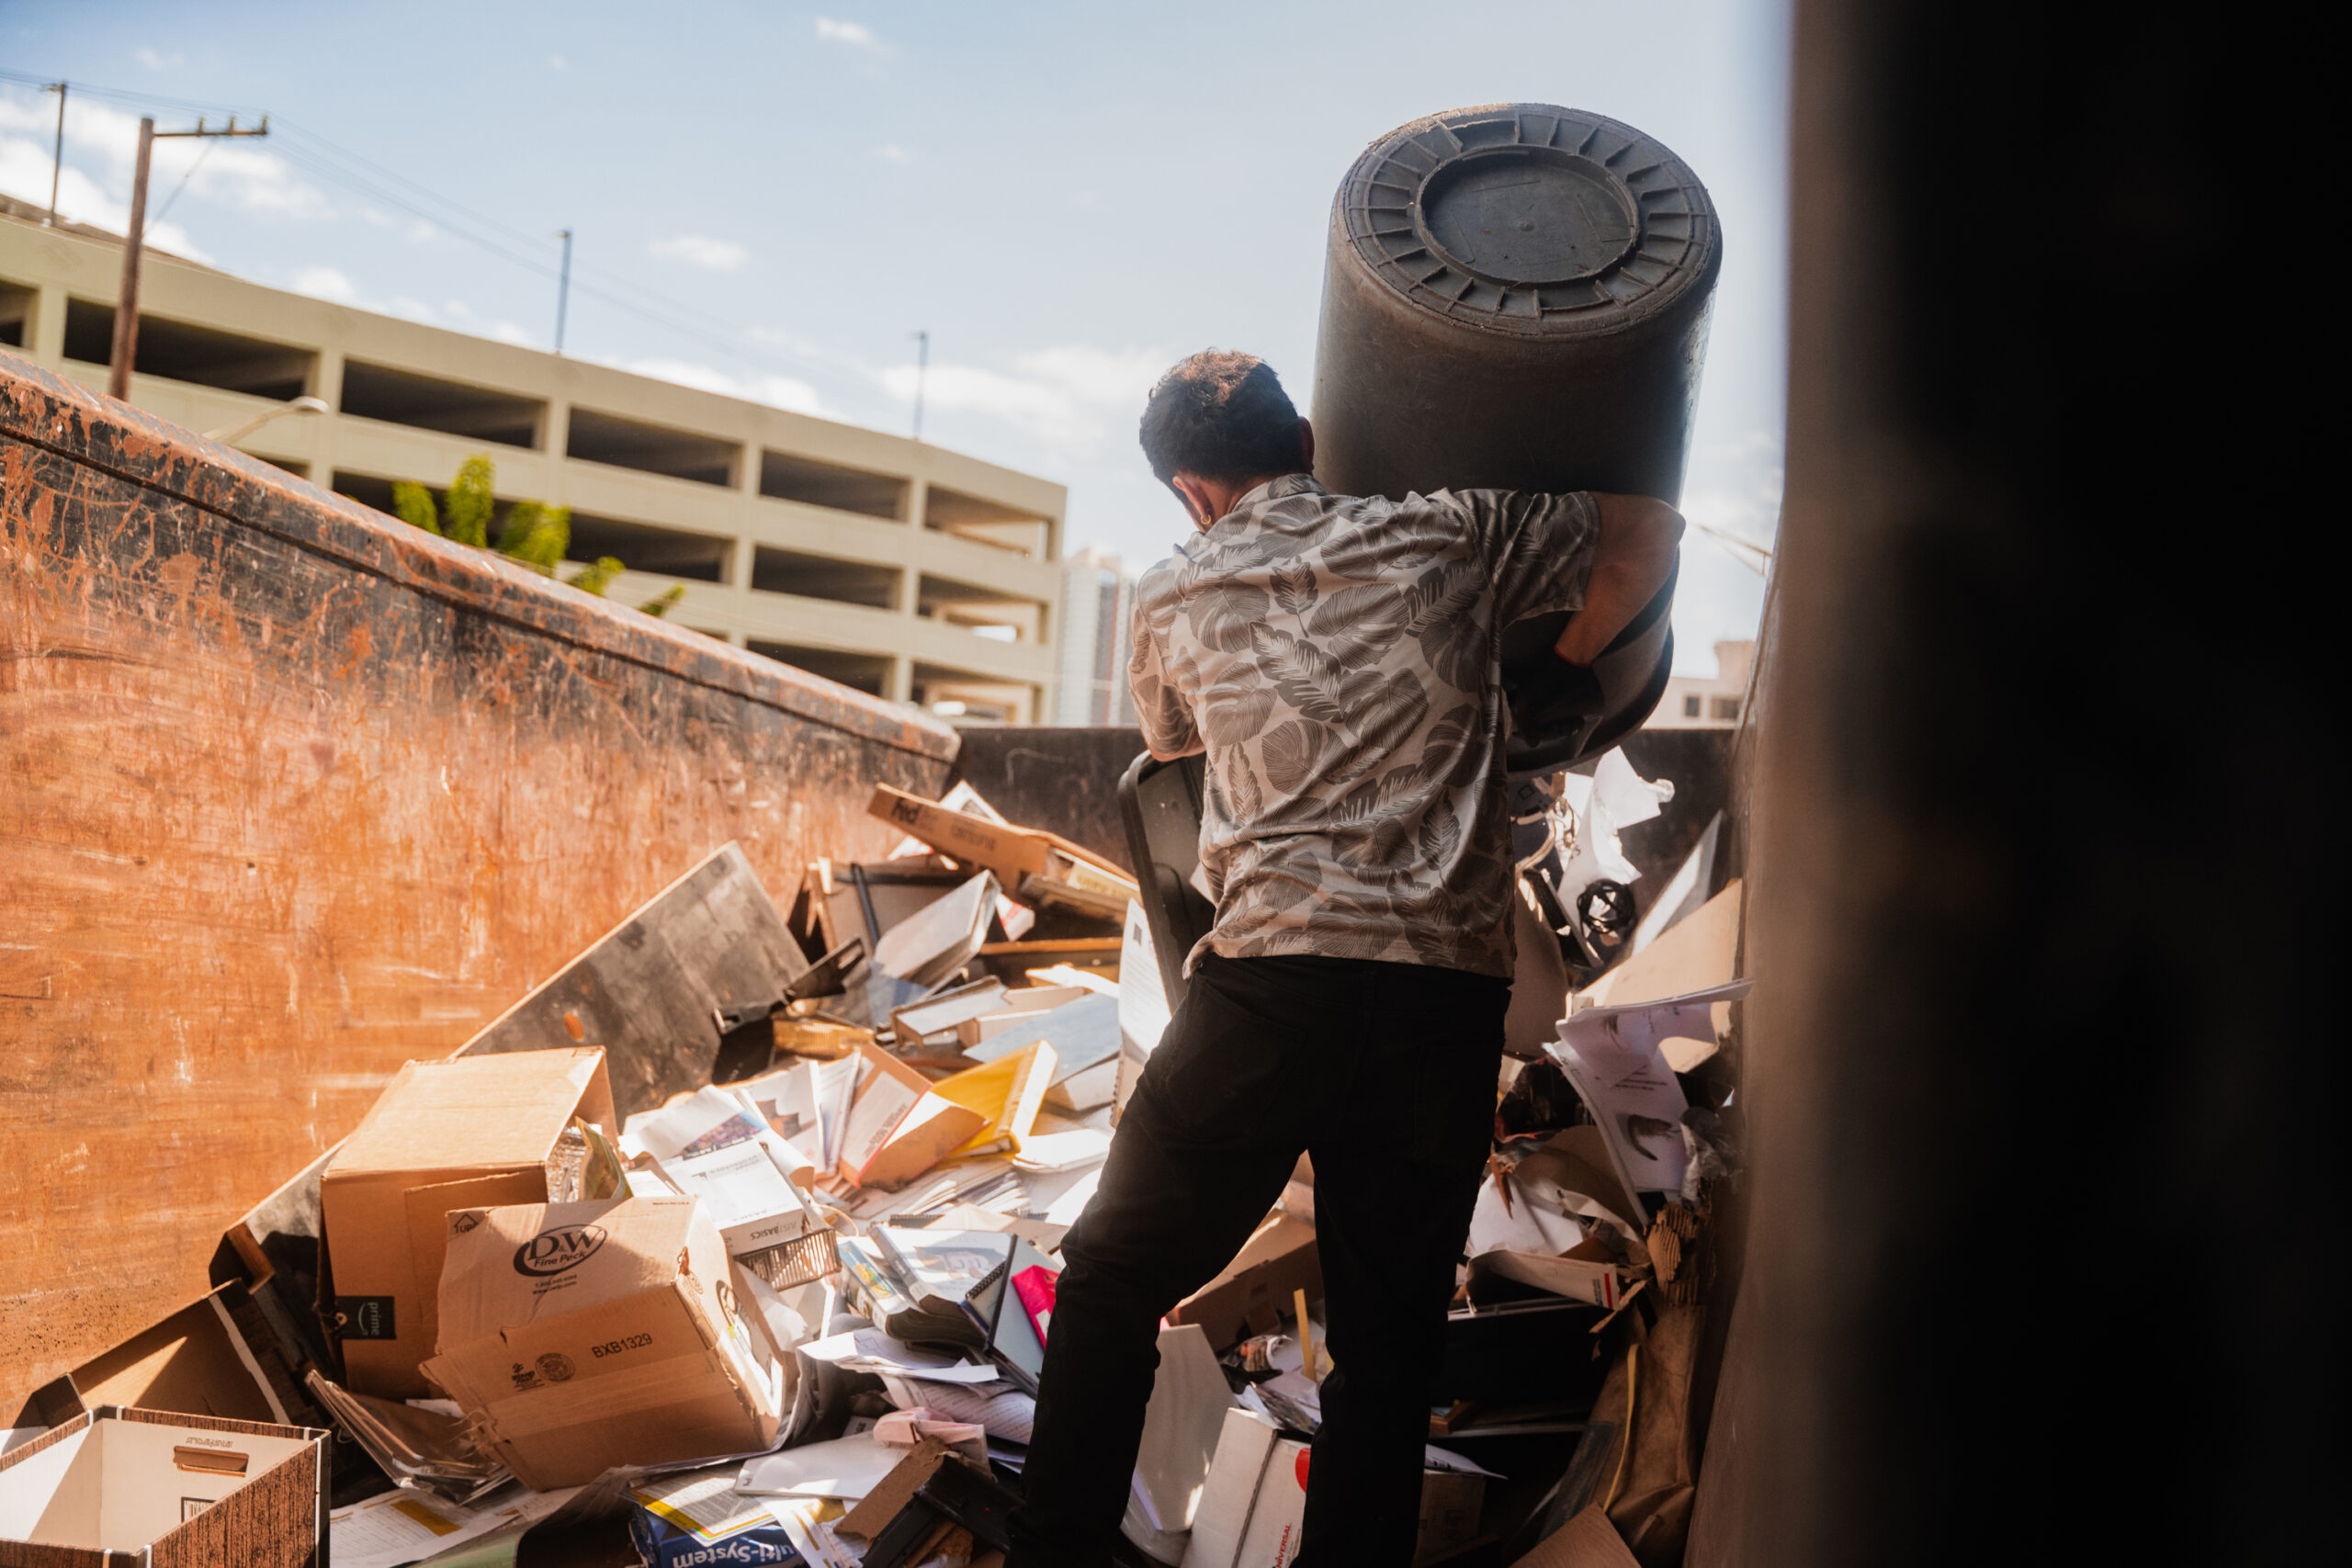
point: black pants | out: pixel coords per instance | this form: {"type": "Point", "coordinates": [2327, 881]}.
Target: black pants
{"type": "Point", "coordinates": [1386, 1072]}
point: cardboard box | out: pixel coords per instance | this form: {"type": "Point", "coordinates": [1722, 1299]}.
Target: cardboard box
{"type": "Point", "coordinates": [1278, 1260]}
{"type": "Point", "coordinates": [1255, 1500]}
{"type": "Point", "coordinates": [578, 1336]}
{"type": "Point", "coordinates": [1028, 862]}
{"type": "Point", "coordinates": [170, 1489]}
{"type": "Point", "coordinates": [458, 1134]}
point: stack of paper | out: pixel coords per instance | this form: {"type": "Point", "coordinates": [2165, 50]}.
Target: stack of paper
{"type": "Point", "coordinates": [1614, 1058]}
{"type": "Point", "coordinates": [1085, 1037]}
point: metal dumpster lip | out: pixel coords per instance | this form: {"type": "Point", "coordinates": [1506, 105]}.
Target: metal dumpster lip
{"type": "Point", "coordinates": [40, 409]}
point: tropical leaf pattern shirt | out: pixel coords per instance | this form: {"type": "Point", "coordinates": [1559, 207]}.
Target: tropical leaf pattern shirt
{"type": "Point", "coordinates": [1339, 659]}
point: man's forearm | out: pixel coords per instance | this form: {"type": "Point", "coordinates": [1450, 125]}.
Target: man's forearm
{"type": "Point", "coordinates": [1639, 537]}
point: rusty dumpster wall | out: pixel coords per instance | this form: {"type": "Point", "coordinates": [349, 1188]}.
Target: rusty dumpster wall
{"type": "Point", "coordinates": [291, 794]}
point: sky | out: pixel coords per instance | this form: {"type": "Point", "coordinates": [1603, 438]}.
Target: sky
{"type": "Point", "coordinates": [769, 200]}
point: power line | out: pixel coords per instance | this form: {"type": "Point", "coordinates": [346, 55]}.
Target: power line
{"type": "Point", "coordinates": [166, 207]}
{"type": "Point", "coordinates": [325, 160]}
{"type": "Point", "coordinates": [123, 95]}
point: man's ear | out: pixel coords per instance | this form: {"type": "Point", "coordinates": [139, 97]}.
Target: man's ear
{"type": "Point", "coordinates": [1195, 497]}
{"type": "Point", "coordinates": [1305, 446]}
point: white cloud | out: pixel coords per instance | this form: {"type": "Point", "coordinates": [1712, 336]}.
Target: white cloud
{"type": "Point", "coordinates": [457, 315]}
{"type": "Point", "coordinates": [558, 63]}
{"type": "Point", "coordinates": [1073, 395]}
{"type": "Point", "coordinates": [24, 167]}
{"type": "Point", "coordinates": [333, 284]}
{"type": "Point", "coordinates": [1733, 486]}
{"type": "Point", "coordinates": [780, 391]}
{"type": "Point", "coordinates": [237, 174]}
{"type": "Point", "coordinates": [700, 250]}
{"type": "Point", "coordinates": [325, 282]}
{"type": "Point", "coordinates": [889, 153]}
{"type": "Point", "coordinates": [856, 34]}
{"type": "Point", "coordinates": [155, 61]}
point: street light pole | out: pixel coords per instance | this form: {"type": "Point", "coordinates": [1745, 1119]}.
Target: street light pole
{"type": "Point", "coordinates": [562, 288]}
{"type": "Point", "coordinates": [57, 164]}
{"type": "Point", "coordinates": [923, 365]}
{"type": "Point", "coordinates": [134, 246]}
{"type": "Point", "coordinates": [230, 434]}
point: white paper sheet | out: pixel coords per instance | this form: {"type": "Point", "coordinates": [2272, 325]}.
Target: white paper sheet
{"type": "Point", "coordinates": [1533, 1221]}
{"type": "Point", "coordinates": [1623, 793]}
{"type": "Point", "coordinates": [663, 1133]}
{"type": "Point", "coordinates": [1435, 1458]}
{"type": "Point", "coordinates": [847, 1468]}
{"type": "Point", "coordinates": [405, 1527]}
{"type": "Point", "coordinates": [871, 1350]}
{"type": "Point", "coordinates": [1004, 1410]}
{"type": "Point", "coordinates": [1614, 797]}
{"type": "Point", "coordinates": [1613, 1058]}
{"type": "Point", "coordinates": [1056, 1152]}
{"type": "Point", "coordinates": [1143, 1001]}
{"type": "Point", "coordinates": [746, 1191]}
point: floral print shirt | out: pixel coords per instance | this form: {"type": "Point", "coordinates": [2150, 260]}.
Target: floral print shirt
{"type": "Point", "coordinates": [1338, 660]}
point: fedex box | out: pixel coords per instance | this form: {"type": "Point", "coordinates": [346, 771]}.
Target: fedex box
{"type": "Point", "coordinates": [579, 1337]}
{"type": "Point", "coordinates": [164, 1489]}
{"type": "Point", "coordinates": [445, 1135]}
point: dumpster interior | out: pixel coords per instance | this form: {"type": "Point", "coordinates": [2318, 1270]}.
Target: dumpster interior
{"type": "Point", "coordinates": [861, 1110]}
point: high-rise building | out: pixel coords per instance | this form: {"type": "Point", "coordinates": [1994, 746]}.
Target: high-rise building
{"type": "Point", "coordinates": [901, 569]}
{"type": "Point", "coordinates": [1098, 605]}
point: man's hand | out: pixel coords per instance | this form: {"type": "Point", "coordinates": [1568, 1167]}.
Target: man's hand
{"type": "Point", "coordinates": [1638, 538]}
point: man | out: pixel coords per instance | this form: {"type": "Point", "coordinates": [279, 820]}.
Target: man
{"type": "Point", "coordinates": [1336, 658]}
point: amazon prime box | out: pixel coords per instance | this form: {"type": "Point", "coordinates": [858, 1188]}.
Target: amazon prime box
{"type": "Point", "coordinates": [579, 1337]}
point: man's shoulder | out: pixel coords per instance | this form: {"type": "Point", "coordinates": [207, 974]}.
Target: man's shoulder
{"type": "Point", "coordinates": [1159, 579]}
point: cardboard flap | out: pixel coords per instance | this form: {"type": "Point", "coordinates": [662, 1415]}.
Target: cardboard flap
{"type": "Point", "coordinates": [479, 1112]}
{"type": "Point", "coordinates": [1588, 1540]}
{"type": "Point", "coordinates": [196, 1361]}
{"type": "Point", "coordinates": [885, 1503]}
{"type": "Point", "coordinates": [515, 1266]}
{"type": "Point", "coordinates": [1576, 1159]}
{"type": "Point", "coordinates": [1699, 951]}
{"type": "Point", "coordinates": [428, 1210]}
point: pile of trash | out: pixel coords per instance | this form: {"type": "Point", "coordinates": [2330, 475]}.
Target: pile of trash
{"type": "Point", "coordinates": [739, 1237]}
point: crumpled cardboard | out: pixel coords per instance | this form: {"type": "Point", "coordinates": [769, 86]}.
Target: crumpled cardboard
{"type": "Point", "coordinates": [580, 1336]}
{"type": "Point", "coordinates": [1588, 1540]}
{"type": "Point", "coordinates": [1278, 1260]}
{"type": "Point", "coordinates": [1639, 1462]}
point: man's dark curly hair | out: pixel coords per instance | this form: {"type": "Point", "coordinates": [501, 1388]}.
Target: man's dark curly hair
{"type": "Point", "coordinates": [1223, 417]}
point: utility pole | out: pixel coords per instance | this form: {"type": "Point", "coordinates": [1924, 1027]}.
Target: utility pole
{"type": "Point", "coordinates": [57, 167]}
{"type": "Point", "coordinates": [562, 286]}
{"type": "Point", "coordinates": [922, 364]}
{"type": "Point", "coordinates": [134, 244]}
